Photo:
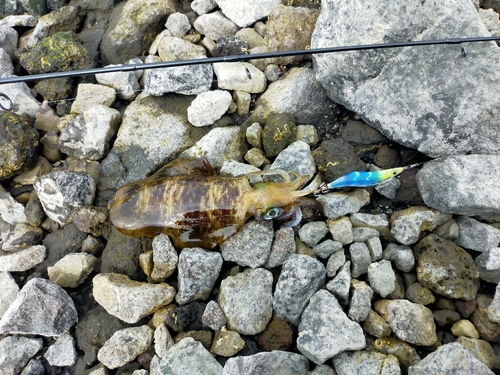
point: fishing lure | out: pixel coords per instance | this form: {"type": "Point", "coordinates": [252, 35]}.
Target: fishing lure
{"type": "Point", "coordinates": [197, 208]}
{"type": "Point", "coordinates": [362, 179]}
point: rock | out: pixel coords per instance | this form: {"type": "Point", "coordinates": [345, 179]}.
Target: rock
{"type": "Point", "coordinates": [481, 350]}
{"type": "Point", "coordinates": [29, 177]}
{"type": "Point", "coordinates": [366, 362]}
{"type": "Point", "coordinates": [490, 19]}
{"type": "Point", "coordinates": [409, 321]}
{"type": "Point", "coordinates": [375, 247]}
{"type": "Point", "coordinates": [475, 235]}
{"type": "Point", "coordinates": [186, 318]}
{"type": "Point", "coordinates": [187, 355]}
{"type": "Point", "coordinates": [375, 325]}
{"type": "Point", "coordinates": [125, 84]}
{"type": "Point", "coordinates": [127, 299]}
{"type": "Point", "coordinates": [277, 336]}
{"type": "Point", "coordinates": [62, 192]}
{"type": "Point", "coordinates": [341, 230]}
{"type": "Point", "coordinates": [404, 352]}
{"type": "Point", "coordinates": [12, 211]}
{"type": "Point", "coordinates": [19, 236]}
{"type": "Point", "coordinates": [15, 352]}
{"type": "Point", "coordinates": [340, 285]}
{"type": "Point", "coordinates": [414, 119]}
{"type": "Point", "coordinates": [469, 179]}
{"type": "Point", "coordinates": [295, 158]}
{"type": "Point", "coordinates": [276, 362]}
{"type": "Point", "coordinates": [60, 52]}
{"type": "Point", "coordinates": [246, 300]}
{"type": "Point", "coordinates": [360, 234]}
{"type": "Point", "coordinates": [418, 294]}
{"type": "Point", "coordinates": [283, 246]}
{"type": "Point", "coordinates": [464, 328]}
{"type": "Point", "coordinates": [219, 145]}
{"type": "Point", "coordinates": [8, 293]}
{"type": "Point", "coordinates": [72, 270]}
{"type": "Point", "coordinates": [241, 76]}
{"type": "Point", "coordinates": [90, 219]}
{"type": "Point", "coordinates": [488, 329]}
{"type": "Point", "coordinates": [132, 27]}
{"type": "Point", "coordinates": [335, 261]}
{"type": "Point", "coordinates": [448, 230]}
{"type": "Point", "coordinates": [322, 370]}
{"type": "Point", "coordinates": [311, 233]}
{"type": "Point", "coordinates": [279, 132]}
{"type": "Point", "coordinates": [41, 308]}
{"type": "Point", "coordinates": [203, 6]}
{"type": "Point", "coordinates": [339, 204]}
{"type": "Point", "coordinates": [208, 107]}
{"type": "Point", "coordinates": [178, 24]}
{"type": "Point", "coordinates": [401, 255]}
{"type": "Point", "coordinates": [445, 317]}
{"type": "Point", "coordinates": [488, 264]}
{"type": "Point", "coordinates": [382, 278]}
{"type": "Point", "coordinates": [409, 225]}
{"type": "Point", "coordinates": [90, 95]}
{"type": "Point", "coordinates": [24, 20]}
{"type": "Point", "coordinates": [360, 258]}
{"type": "Point", "coordinates": [301, 276]}
{"type": "Point", "coordinates": [22, 260]}
{"type": "Point", "coordinates": [5, 63]}
{"type": "Point", "coordinates": [494, 307]}
{"type": "Point", "coordinates": [254, 135]}
{"type": "Point", "coordinates": [213, 316]}
{"type": "Point", "coordinates": [449, 359]}
{"type": "Point", "coordinates": [165, 258]}
{"type": "Point", "coordinates": [235, 168]}
{"type": "Point", "coordinates": [214, 25]}
{"type": "Point", "coordinates": [299, 94]}
{"type": "Point", "coordinates": [360, 303]}
{"type": "Point", "coordinates": [163, 340]}
{"type": "Point", "coordinates": [250, 246]}
{"type": "Point", "coordinates": [228, 45]}
{"type": "Point", "coordinates": [445, 268]}
{"type": "Point", "coordinates": [203, 336]}
{"type": "Point", "coordinates": [256, 157]}
{"type": "Point", "coordinates": [307, 134]}
{"type": "Point", "coordinates": [125, 345]}
{"type": "Point", "coordinates": [62, 353]}
{"type": "Point", "coordinates": [326, 331]}
{"type": "Point", "coordinates": [198, 271]}
{"type": "Point", "coordinates": [247, 12]}
{"type": "Point", "coordinates": [327, 248]}
{"type": "Point", "coordinates": [9, 38]}
{"type": "Point", "coordinates": [226, 343]}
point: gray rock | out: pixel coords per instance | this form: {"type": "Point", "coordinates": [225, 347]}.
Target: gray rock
{"type": "Point", "coordinates": [360, 258]}
{"type": "Point", "coordinates": [409, 225]}
{"type": "Point", "coordinates": [62, 353]}
{"type": "Point", "coordinates": [401, 255]}
{"type": "Point", "coordinates": [340, 285]}
{"type": "Point", "coordinates": [214, 25]}
{"type": "Point", "coordinates": [126, 84]}
{"type": "Point", "coordinates": [247, 12]}
{"type": "Point", "coordinates": [449, 359]}
{"type": "Point", "coordinates": [382, 278]}
{"type": "Point", "coordinates": [19, 236]}
{"type": "Point", "coordinates": [163, 341]}
{"type": "Point", "coordinates": [61, 192]}
{"type": "Point", "coordinates": [283, 246]}
{"type": "Point", "coordinates": [296, 157]}
{"type": "Point", "coordinates": [488, 264]}
{"type": "Point", "coordinates": [208, 107]}
{"type": "Point", "coordinates": [301, 276]}
{"type": "Point", "coordinates": [5, 63]}
{"type": "Point", "coordinates": [360, 303]}
{"type": "Point", "coordinates": [409, 321]}
{"type": "Point", "coordinates": [340, 204]}
{"type": "Point", "coordinates": [11, 210]}
{"type": "Point", "coordinates": [41, 308]}
{"type": "Point", "coordinates": [341, 230]}
{"type": "Point", "coordinates": [448, 230]}
{"type": "Point", "coordinates": [375, 247]}
{"type": "Point", "coordinates": [326, 331]}
{"type": "Point", "coordinates": [8, 39]}
{"type": "Point", "coordinates": [418, 294]}
{"type": "Point", "coordinates": [360, 234]}
{"type": "Point", "coordinates": [34, 367]}
{"type": "Point", "coordinates": [251, 246]}
{"type": "Point", "coordinates": [276, 362]}
{"type": "Point", "coordinates": [125, 345]}
{"type": "Point", "coordinates": [127, 299]}
{"type": "Point", "coordinates": [187, 356]}
{"type": "Point", "coordinates": [165, 258]}
{"type": "Point", "coordinates": [132, 26]}
{"type": "Point", "coordinates": [23, 20]}
{"type": "Point", "coordinates": [335, 261]}
{"type": "Point", "coordinates": [307, 134]}
{"type": "Point", "coordinates": [90, 95]}
{"type": "Point", "coordinates": [376, 326]}
{"type": "Point", "coordinates": [15, 352]}
{"type": "Point", "coordinates": [327, 248]}
{"type": "Point", "coordinates": [198, 271]}
{"type": "Point", "coordinates": [178, 24]}
{"type": "Point", "coordinates": [366, 362]}
{"type": "Point", "coordinates": [254, 135]}
{"type": "Point", "coordinates": [435, 114]}
{"type": "Point", "coordinates": [213, 316]}
{"type": "Point", "coordinates": [311, 233]}
{"type": "Point", "coordinates": [475, 235]}
{"type": "Point", "coordinates": [72, 270]}
{"type": "Point", "coordinates": [203, 6]}
{"type": "Point", "coordinates": [20, 94]}
{"type": "Point", "coordinates": [246, 300]}
{"type": "Point", "coordinates": [8, 292]}
{"type": "Point", "coordinates": [235, 168]}
{"type": "Point", "coordinates": [494, 307]}
{"type": "Point", "coordinates": [445, 317]}
{"type": "Point", "coordinates": [239, 76]}
{"type": "Point", "coordinates": [322, 370]}
{"type": "Point", "coordinates": [378, 222]}
{"type": "Point", "coordinates": [461, 184]}
{"type": "Point", "coordinates": [172, 48]}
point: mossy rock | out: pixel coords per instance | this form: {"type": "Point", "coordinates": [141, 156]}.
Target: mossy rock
{"type": "Point", "coordinates": [18, 145]}
{"type": "Point", "coordinates": [60, 52]}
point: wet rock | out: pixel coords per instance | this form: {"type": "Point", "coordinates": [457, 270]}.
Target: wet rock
{"type": "Point", "coordinates": [375, 325]}
{"type": "Point", "coordinates": [469, 179]}
{"type": "Point", "coordinates": [132, 28]}
{"type": "Point", "coordinates": [360, 258]}
{"type": "Point", "coordinates": [214, 25]}
{"type": "Point", "coordinates": [203, 6]}
{"type": "Point", "coordinates": [447, 360]}
{"type": "Point", "coordinates": [382, 278]}
{"type": "Point", "coordinates": [295, 158]}
{"type": "Point", "coordinates": [476, 235]}
{"type": "Point", "coordinates": [241, 76]}
{"type": "Point", "coordinates": [251, 245]}
{"type": "Point", "coordinates": [62, 353]}
{"type": "Point", "coordinates": [61, 192]}
{"type": "Point", "coordinates": [341, 230]}
{"type": "Point", "coordinates": [464, 328]}
{"type": "Point", "coordinates": [445, 268]}
{"type": "Point", "coordinates": [276, 362]}
{"type": "Point", "coordinates": [277, 336]}
{"type": "Point", "coordinates": [401, 255]}
{"type": "Point", "coordinates": [72, 270]}
{"type": "Point", "coordinates": [283, 246]}
{"type": "Point", "coordinates": [8, 293]}
{"type": "Point", "coordinates": [480, 349]}
{"type": "Point", "coordinates": [404, 352]}
{"type": "Point", "coordinates": [62, 51]}
{"type": "Point", "coordinates": [90, 95]}
{"type": "Point", "coordinates": [418, 294]}
{"type": "Point", "coordinates": [178, 24]}
{"type": "Point", "coordinates": [16, 352]}
{"type": "Point", "coordinates": [208, 107]}
{"type": "Point", "coordinates": [163, 340]}
{"type": "Point", "coordinates": [326, 331]}
{"type": "Point", "coordinates": [198, 271]}
{"type": "Point", "coordinates": [366, 362]}
{"type": "Point", "coordinates": [18, 143]}
{"type": "Point", "coordinates": [41, 308]}
{"type": "Point", "coordinates": [301, 276]}
{"type": "Point", "coordinates": [186, 318]}
{"type": "Point", "coordinates": [246, 300]}
{"type": "Point", "coordinates": [22, 260]}
{"type": "Point", "coordinates": [409, 321]}
{"type": "Point", "coordinates": [125, 84]}
{"type": "Point", "coordinates": [127, 299]}
{"type": "Point", "coordinates": [213, 316]}
{"type": "Point", "coordinates": [340, 285]}
{"type": "Point", "coordinates": [125, 345]}
{"type": "Point", "coordinates": [311, 233]}
{"type": "Point", "coordinates": [227, 343]}
{"type": "Point", "coordinates": [19, 236]}
{"type": "Point", "coordinates": [186, 354]}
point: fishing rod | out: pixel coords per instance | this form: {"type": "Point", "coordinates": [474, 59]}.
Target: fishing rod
{"type": "Point", "coordinates": [246, 57]}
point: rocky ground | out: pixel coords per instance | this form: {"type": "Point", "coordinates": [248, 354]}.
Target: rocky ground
{"type": "Point", "coordinates": [400, 278]}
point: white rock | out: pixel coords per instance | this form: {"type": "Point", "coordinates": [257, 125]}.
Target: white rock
{"type": "Point", "coordinates": [11, 210]}
{"type": "Point", "coordinates": [126, 84]}
{"type": "Point", "coordinates": [296, 157]}
{"type": "Point", "coordinates": [62, 353]}
{"type": "Point", "coordinates": [89, 95]}
{"type": "Point", "coordinates": [22, 260]}
{"type": "Point", "coordinates": [178, 24]}
{"type": "Point", "coordinates": [235, 168]}
{"type": "Point", "coordinates": [8, 292]}
{"type": "Point", "coordinates": [203, 6]}
{"type": "Point", "coordinates": [208, 107]}
{"type": "Point", "coordinates": [240, 76]}
{"type": "Point", "coordinates": [15, 352]}
{"type": "Point", "coordinates": [214, 25]}
{"type": "Point", "coordinates": [20, 95]}
{"type": "Point", "coordinates": [246, 12]}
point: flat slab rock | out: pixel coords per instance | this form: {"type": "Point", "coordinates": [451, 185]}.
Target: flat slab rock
{"type": "Point", "coordinates": [415, 96]}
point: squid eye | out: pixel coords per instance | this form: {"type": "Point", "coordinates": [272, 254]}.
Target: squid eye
{"type": "Point", "coordinates": [273, 213]}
